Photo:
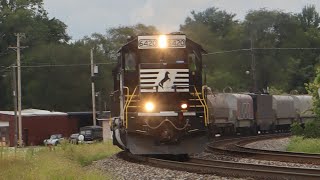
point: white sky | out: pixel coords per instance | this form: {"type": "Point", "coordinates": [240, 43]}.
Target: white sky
{"type": "Point", "coordinates": [84, 17]}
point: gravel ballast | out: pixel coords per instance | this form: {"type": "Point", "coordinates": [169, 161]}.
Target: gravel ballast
{"type": "Point", "coordinates": [123, 170]}
{"type": "Point", "coordinates": [273, 144]}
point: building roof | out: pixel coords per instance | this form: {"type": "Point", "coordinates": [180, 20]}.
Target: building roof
{"type": "Point", "coordinates": [35, 112]}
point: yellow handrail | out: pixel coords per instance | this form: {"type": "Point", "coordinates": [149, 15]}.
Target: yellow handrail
{"type": "Point", "coordinates": [204, 108]}
{"type": "Point", "coordinates": [128, 91]}
{"type": "Point", "coordinates": [126, 107]}
{"type": "Point", "coordinates": [205, 103]}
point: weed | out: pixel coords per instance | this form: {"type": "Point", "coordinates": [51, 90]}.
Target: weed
{"type": "Point", "coordinates": [301, 144]}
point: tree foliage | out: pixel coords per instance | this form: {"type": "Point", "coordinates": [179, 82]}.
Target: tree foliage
{"type": "Point", "coordinates": [285, 70]}
{"type": "Point", "coordinates": [67, 88]}
{"type": "Point", "coordinates": [115, 37]}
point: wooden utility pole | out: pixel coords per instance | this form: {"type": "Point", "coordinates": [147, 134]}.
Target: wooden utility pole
{"type": "Point", "coordinates": [18, 48]}
{"type": "Point", "coordinates": [14, 95]}
{"type": "Point", "coordinates": [19, 89]}
{"type": "Point", "coordinates": [93, 90]}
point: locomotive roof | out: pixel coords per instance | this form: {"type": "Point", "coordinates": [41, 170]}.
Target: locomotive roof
{"type": "Point", "coordinates": [132, 44]}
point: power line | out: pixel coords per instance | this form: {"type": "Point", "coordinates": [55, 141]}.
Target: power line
{"type": "Point", "coordinates": [293, 48]}
{"type": "Point", "coordinates": [228, 51]}
{"type": "Point", "coordinates": [63, 65]}
{"type": "Point", "coordinates": [5, 69]}
{"type": "Point", "coordinates": [272, 48]}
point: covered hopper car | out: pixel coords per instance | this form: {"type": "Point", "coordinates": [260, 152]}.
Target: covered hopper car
{"type": "Point", "coordinates": [232, 113]}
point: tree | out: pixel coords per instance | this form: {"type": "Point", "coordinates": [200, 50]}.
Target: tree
{"type": "Point", "coordinates": [110, 43]}
{"type": "Point", "coordinates": [29, 17]}
{"type": "Point", "coordinates": [217, 31]}
{"type": "Point", "coordinates": [286, 70]}
{"type": "Point", "coordinates": [218, 21]}
{"type": "Point", "coordinates": [309, 17]}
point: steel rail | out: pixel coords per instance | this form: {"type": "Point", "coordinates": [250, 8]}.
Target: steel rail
{"type": "Point", "coordinates": [236, 146]}
{"type": "Point", "coordinates": [227, 168]}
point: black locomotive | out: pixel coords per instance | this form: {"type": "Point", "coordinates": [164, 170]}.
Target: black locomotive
{"type": "Point", "coordinates": [159, 104]}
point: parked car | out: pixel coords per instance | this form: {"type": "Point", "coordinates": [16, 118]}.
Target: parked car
{"type": "Point", "coordinates": [90, 133]}
{"type": "Point", "coordinates": [54, 139]}
{"type": "Point", "coordinates": [74, 138]}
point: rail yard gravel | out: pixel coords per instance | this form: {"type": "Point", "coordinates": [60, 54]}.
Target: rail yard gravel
{"type": "Point", "coordinates": [123, 170]}
{"type": "Point", "coordinates": [273, 144]}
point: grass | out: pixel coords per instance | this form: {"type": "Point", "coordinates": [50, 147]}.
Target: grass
{"type": "Point", "coordinates": [63, 162]}
{"type": "Point", "coordinates": [307, 145]}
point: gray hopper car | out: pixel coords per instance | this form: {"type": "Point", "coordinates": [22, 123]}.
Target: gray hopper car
{"type": "Point", "coordinates": [249, 113]}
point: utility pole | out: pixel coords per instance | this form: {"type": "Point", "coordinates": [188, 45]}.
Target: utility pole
{"type": "Point", "coordinates": [93, 90]}
{"type": "Point", "coordinates": [18, 48]}
{"type": "Point", "coordinates": [100, 103]}
{"type": "Point", "coordinates": [14, 95]}
{"type": "Point", "coordinates": [19, 88]}
{"type": "Point", "coordinates": [253, 68]}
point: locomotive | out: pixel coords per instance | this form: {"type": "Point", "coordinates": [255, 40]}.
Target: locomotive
{"type": "Point", "coordinates": [250, 113]}
{"type": "Point", "coordinates": [159, 103]}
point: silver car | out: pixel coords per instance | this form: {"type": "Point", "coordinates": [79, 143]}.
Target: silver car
{"type": "Point", "coordinates": [54, 140]}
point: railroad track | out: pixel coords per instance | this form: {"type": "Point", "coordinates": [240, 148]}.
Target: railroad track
{"type": "Point", "coordinates": [227, 168]}
{"type": "Point", "coordinates": [236, 146]}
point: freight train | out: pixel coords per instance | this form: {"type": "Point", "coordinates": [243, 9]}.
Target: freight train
{"type": "Point", "coordinates": [232, 113]}
{"type": "Point", "coordinates": [158, 102]}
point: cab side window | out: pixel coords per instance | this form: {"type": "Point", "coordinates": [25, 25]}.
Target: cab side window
{"type": "Point", "coordinates": [192, 62]}
{"type": "Point", "coordinates": [130, 61]}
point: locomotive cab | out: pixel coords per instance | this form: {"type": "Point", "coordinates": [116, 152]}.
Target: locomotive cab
{"type": "Point", "coordinates": [159, 104]}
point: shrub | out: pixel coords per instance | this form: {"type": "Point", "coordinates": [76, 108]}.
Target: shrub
{"type": "Point", "coordinates": [312, 129]}
{"type": "Point", "coordinates": [296, 129]}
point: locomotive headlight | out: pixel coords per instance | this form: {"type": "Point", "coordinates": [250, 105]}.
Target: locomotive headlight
{"type": "Point", "coordinates": [149, 106]}
{"type": "Point", "coordinates": [163, 41]}
{"type": "Point", "coordinates": [184, 106]}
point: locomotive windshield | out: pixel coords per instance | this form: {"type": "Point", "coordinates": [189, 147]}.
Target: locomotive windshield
{"type": "Point", "coordinates": [163, 56]}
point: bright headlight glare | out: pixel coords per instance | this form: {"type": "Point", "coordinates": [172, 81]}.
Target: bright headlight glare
{"type": "Point", "coordinates": [163, 41]}
{"type": "Point", "coordinates": [149, 106]}
{"type": "Point", "coordinates": [184, 106]}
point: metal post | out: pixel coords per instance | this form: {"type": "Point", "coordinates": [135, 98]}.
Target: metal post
{"type": "Point", "coordinates": [253, 68]}
{"type": "Point", "coordinates": [93, 90]}
{"type": "Point", "coordinates": [14, 95]}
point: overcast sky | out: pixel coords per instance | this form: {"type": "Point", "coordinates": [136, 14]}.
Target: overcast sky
{"type": "Point", "coordinates": [84, 17]}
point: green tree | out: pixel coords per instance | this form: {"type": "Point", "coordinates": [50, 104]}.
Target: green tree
{"type": "Point", "coordinates": [309, 17]}
{"type": "Point", "coordinates": [114, 38]}
{"type": "Point", "coordinates": [217, 31]}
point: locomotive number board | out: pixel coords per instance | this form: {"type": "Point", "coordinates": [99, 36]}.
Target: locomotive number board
{"type": "Point", "coordinates": [161, 41]}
